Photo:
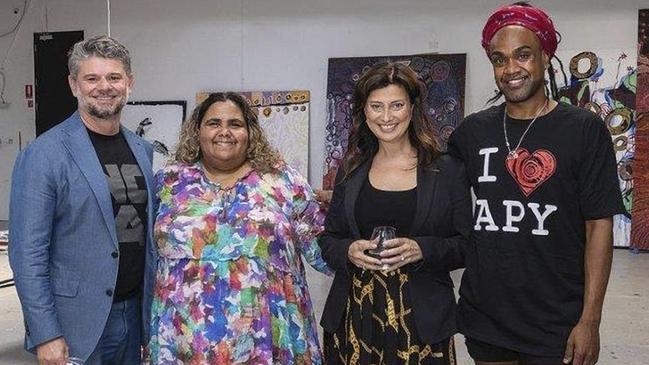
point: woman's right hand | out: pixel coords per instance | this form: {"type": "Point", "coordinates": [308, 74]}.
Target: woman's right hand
{"type": "Point", "coordinates": [357, 256]}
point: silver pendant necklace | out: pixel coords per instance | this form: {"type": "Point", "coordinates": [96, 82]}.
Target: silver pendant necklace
{"type": "Point", "coordinates": [513, 154]}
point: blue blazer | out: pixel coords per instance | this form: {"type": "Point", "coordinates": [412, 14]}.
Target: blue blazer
{"type": "Point", "coordinates": [62, 237]}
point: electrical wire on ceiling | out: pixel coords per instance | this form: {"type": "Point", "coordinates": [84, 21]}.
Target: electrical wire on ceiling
{"type": "Point", "coordinates": [15, 30]}
{"type": "Point", "coordinates": [22, 15]}
{"type": "Point", "coordinates": [108, 15]}
{"type": "Point", "coordinates": [242, 44]}
{"type": "Point", "coordinates": [2, 88]}
{"type": "Point", "coordinates": [47, 24]}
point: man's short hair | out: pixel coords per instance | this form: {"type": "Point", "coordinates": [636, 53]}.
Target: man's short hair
{"type": "Point", "coordinates": [99, 46]}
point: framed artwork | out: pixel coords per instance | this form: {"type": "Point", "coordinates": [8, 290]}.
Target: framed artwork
{"type": "Point", "coordinates": [443, 75]}
{"type": "Point", "coordinates": [604, 81]}
{"type": "Point", "coordinates": [158, 122]}
{"type": "Point", "coordinates": [284, 117]}
{"type": "Point", "coordinates": [640, 222]}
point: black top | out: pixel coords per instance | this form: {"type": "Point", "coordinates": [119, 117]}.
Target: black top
{"type": "Point", "coordinates": [384, 208]}
{"type": "Point", "coordinates": [440, 225]}
{"type": "Point", "coordinates": [523, 286]}
{"type": "Point", "coordinates": [129, 196]}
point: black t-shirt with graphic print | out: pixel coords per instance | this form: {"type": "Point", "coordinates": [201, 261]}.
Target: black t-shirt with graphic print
{"type": "Point", "coordinates": [129, 196]}
{"type": "Point", "coordinates": [523, 286]}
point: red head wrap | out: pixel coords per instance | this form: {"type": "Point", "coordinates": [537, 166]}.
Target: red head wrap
{"type": "Point", "coordinates": [529, 17]}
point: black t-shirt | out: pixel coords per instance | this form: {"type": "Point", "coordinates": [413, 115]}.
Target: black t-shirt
{"type": "Point", "coordinates": [384, 208]}
{"type": "Point", "coordinates": [129, 196]}
{"type": "Point", "coordinates": [523, 286]}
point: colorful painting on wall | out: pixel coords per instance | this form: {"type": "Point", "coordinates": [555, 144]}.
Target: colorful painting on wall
{"type": "Point", "coordinates": [284, 116]}
{"type": "Point", "coordinates": [605, 82]}
{"type": "Point", "coordinates": [443, 74]}
{"type": "Point", "coordinates": [640, 225]}
{"type": "Point", "coordinates": [158, 122]}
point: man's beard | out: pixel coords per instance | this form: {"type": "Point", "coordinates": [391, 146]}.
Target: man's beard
{"type": "Point", "coordinates": [106, 113]}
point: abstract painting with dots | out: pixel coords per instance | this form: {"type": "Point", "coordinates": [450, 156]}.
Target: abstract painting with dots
{"type": "Point", "coordinates": [604, 81]}
{"type": "Point", "coordinates": [443, 75]}
{"type": "Point", "coordinates": [284, 117]}
{"type": "Point", "coordinates": [640, 224]}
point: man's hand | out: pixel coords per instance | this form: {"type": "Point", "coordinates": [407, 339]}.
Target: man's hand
{"type": "Point", "coordinates": [582, 347]}
{"type": "Point", "coordinates": [53, 352]}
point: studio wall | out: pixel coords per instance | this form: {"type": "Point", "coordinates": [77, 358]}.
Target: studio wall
{"type": "Point", "coordinates": [181, 47]}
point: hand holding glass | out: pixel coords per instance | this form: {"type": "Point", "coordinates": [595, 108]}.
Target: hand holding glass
{"type": "Point", "coordinates": [381, 234]}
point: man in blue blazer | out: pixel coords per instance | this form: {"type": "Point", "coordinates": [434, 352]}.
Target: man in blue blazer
{"type": "Point", "coordinates": [81, 222]}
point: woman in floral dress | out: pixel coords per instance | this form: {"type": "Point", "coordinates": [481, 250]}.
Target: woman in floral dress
{"type": "Point", "coordinates": [232, 225]}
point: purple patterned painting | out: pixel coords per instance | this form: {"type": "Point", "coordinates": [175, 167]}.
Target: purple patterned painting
{"type": "Point", "coordinates": [444, 77]}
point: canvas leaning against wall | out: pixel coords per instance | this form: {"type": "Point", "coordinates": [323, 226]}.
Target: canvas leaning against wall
{"type": "Point", "coordinates": [640, 225]}
{"type": "Point", "coordinates": [158, 122]}
{"type": "Point", "coordinates": [444, 78]}
{"type": "Point", "coordinates": [284, 117]}
{"type": "Point", "coordinates": [604, 81]}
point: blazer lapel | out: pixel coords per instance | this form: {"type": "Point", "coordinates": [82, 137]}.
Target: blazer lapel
{"type": "Point", "coordinates": [426, 184]}
{"type": "Point", "coordinates": [83, 153]}
{"type": "Point", "coordinates": [136, 144]}
{"type": "Point", "coordinates": [352, 189]}
{"type": "Point", "coordinates": [142, 158]}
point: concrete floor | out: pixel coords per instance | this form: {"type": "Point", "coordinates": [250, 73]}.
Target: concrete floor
{"type": "Point", "coordinates": [624, 331]}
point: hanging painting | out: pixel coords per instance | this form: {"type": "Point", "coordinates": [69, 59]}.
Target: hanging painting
{"type": "Point", "coordinates": [605, 82]}
{"type": "Point", "coordinates": [442, 74]}
{"type": "Point", "coordinates": [284, 117]}
{"type": "Point", "coordinates": [159, 123]}
{"type": "Point", "coordinates": [640, 225]}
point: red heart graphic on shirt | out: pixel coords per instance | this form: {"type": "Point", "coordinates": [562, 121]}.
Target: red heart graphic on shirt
{"type": "Point", "coordinates": [531, 170]}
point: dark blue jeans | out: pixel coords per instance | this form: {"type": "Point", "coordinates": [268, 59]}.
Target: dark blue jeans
{"type": "Point", "coordinates": [120, 342]}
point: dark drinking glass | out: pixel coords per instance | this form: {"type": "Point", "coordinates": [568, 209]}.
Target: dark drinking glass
{"type": "Point", "coordinates": [381, 234]}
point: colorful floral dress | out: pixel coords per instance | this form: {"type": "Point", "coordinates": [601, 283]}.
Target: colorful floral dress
{"type": "Point", "coordinates": [230, 285]}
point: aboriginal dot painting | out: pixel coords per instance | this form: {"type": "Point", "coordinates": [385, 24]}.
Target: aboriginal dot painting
{"type": "Point", "coordinates": [442, 74]}
{"type": "Point", "coordinates": [284, 117]}
{"type": "Point", "coordinates": [640, 225]}
{"type": "Point", "coordinates": [604, 81]}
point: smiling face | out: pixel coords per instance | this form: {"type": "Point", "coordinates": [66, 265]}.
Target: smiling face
{"type": "Point", "coordinates": [388, 112]}
{"type": "Point", "coordinates": [223, 136]}
{"type": "Point", "coordinates": [519, 64]}
{"type": "Point", "coordinates": [101, 87]}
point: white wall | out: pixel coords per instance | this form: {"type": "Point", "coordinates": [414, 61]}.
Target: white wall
{"type": "Point", "coordinates": [179, 48]}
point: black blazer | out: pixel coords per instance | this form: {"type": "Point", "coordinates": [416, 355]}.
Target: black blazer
{"type": "Point", "coordinates": [441, 228]}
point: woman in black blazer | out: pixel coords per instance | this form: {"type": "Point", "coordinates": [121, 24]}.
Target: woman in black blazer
{"type": "Point", "coordinates": [397, 308]}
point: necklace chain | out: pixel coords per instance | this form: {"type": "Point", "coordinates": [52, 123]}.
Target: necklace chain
{"type": "Point", "coordinates": [513, 154]}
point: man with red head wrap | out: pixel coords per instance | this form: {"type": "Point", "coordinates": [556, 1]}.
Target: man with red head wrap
{"type": "Point", "coordinates": [544, 175]}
